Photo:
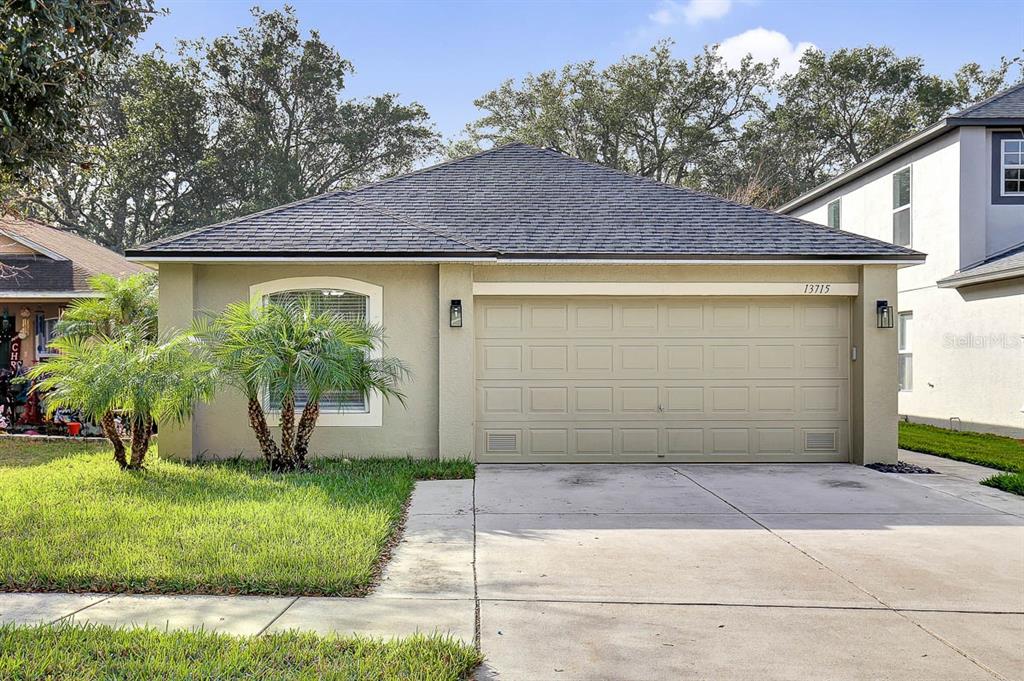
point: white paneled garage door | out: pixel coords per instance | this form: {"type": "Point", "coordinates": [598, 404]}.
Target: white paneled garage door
{"type": "Point", "coordinates": [662, 379]}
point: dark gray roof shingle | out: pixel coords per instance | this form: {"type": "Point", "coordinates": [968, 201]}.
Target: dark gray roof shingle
{"type": "Point", "coordinates": [520, 201]}
{"type": "Point", "coordinates": [1006, 104]}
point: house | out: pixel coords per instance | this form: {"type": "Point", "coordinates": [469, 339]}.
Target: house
{"type": "Point", "coordinates": [956, 191]}
{"type": "Point", "coordinates": [555, 310]}
{"type": "Point", "coordinates": [42, 269]}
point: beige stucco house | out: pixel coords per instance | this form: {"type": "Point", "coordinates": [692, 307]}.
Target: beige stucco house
{"type": "Point", "coordinates": [556, 310]}
{"type": "Point", "coordinates": [956, 191]}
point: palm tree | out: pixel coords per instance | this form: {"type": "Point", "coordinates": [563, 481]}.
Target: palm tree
{"type": "Point", "coordinates": [141, 379]}
{"type": "Point", "coordinates": [110, 361]}
{"type": "Point", "coordinates": [124, 306]}
{"type": "Point", "coordinates": [277, 350]}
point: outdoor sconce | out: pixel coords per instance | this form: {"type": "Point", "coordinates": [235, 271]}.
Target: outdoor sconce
{"type": "Point", "coordinates": [884, 310]}
{"type": "Point", "coordinates": [455, 314]}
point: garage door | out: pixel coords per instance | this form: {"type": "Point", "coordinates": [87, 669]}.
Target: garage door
{"type": "Point", "coordinates": [662, 379]}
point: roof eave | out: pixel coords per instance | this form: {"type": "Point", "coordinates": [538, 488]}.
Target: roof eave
{"type": "Point", "coordinates": [528, 258]}
{"type": "Point", "coordinates": [907, 145]}
{"type": "Point", "coordinates": [870, 164]}
{"type": "Point", "coordinates": [47, 295]}
{"type": "Point", "coordinates": [961, 280]}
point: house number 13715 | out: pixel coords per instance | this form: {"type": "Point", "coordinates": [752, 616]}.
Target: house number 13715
{"type": "Point", "coordinates": [819, 289]}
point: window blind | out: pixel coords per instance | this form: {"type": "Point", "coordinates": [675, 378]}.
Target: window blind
{"type": "Point", "coordinates": [350, 307]}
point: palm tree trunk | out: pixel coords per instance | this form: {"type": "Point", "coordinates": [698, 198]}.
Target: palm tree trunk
{"type": "Point", "coordinates": [258, 423]}
{"type": "Point", "coordinates": [286, 461]}
{"type": "Point", "coordinates": [109, 426]}
{"type": "Point", "coordinates": [141, 429]}
{"type": "Point", "coordinates": [310, 413]}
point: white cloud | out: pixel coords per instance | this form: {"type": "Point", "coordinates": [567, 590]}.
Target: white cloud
{"type": "Point", "coordinates": [764, 45]}
{"type": "Point", "coordinates": [692, 12]}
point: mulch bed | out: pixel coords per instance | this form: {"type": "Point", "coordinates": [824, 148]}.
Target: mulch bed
{"type": "Point", "coordinates": [901, 467]}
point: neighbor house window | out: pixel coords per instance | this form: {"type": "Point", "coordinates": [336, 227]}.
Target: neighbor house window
{"type": "Point", "coordinates": [45, 334]}
{"type": "Point", "coordinates": [1012, 167]}
{"type": "Point", "coordinates": [906, 356]}
{"type": "Point", "coordinates": [901, 228]}
{"type": "Point", "coordinates": [834, 214]}
{"type": "Point", "coordinates": [351, 299]}
{"type": "Point", "coordinates": [347, 305]}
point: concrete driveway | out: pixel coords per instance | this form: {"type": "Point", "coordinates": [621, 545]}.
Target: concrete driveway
{"type": "Point", "coordinates": [743, 572]}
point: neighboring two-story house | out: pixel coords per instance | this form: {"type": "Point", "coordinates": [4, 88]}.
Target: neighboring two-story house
{"type": "Point", "coordinates": [956, 192]}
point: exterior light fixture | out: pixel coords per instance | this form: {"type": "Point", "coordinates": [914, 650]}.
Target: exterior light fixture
{"type": "Point", "coordinates": [885, 316]}
{"type": "Point", "coordinates": [455, 314]}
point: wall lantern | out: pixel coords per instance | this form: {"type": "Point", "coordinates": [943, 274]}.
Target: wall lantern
{"type": "Point", "coordinates": [884, 310]}
{"type": "Point", "coordinates": [455, 314]}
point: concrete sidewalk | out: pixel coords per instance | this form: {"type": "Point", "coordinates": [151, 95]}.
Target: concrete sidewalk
{"type": "Point", "coordinates": [961, 479]}
{"type": "Point", "coordinates": [427, 587]}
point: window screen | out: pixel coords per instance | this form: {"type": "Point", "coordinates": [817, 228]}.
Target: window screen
{"type": "Point", "coordinates": [351, 307]}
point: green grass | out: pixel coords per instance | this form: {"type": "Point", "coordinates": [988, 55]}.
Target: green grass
{"type": "Point", "coordinates": [27, 452]}
{"type": "Point", "coordinates": [85, 653]}
{"type": "Point", "coordinates": [1008, 482]}
{"type": "Point", "coordinates": [78, 523]}
{"type": "Point", "coordinates": [995, 451]}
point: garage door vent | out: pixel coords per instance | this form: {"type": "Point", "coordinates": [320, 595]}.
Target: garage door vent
{"type": "Point", "coordinates": [820, 442]}
{"type": "Point", "coordinates": [502, 442]}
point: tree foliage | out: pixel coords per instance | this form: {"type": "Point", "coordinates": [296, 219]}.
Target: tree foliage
{"type": "Point", "coordinates": [51, 56]}
{"type": "Point", "coordinates": [746, 132]}
{"type": "Point", "coordinates": [234, 125]}
{"type": "Point", "coordinates": [651, 114]}
{"type": "Point", "coordinates": [149, 174]}
{"type": "Point", "coordinates": [279, 349]}
{"type": "Point", "coordinates": [284, 130]}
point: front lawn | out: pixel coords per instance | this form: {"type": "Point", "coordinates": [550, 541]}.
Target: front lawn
{"type": "Point", "coordinates": [78, 523]}
{"type": "Point", "coordinates": [994, 451]}
{"type": "Point", "coordinates": [23, 451]}
{"type": "Point", "coordinates": [93, 652]}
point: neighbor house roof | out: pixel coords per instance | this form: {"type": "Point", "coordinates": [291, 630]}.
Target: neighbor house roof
{"type": "Point", "coordinates": [519, 202]}
{"type": "Point", "coordinates": [54, 260]}
{"type": "Point", "coordinates": [1008, 264]}
{"type": "Point", "coordinates": [1003, 108]}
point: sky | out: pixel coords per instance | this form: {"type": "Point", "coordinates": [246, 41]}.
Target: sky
{"type": "Point", "coordinates": [446, 54]}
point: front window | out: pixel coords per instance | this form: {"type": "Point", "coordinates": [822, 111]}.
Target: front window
{"type": "Point", "coordinates": [1012, 167]}
{"type": "Point", "coordinates": [901, 227]}
{"type": "Point", "coordinates": [906, 356]}
{"type": "Point", "coordinates": [834, 214]}
{"type": "Point", "coordinates": [351, 307]}
{"type": "Point", "coordinates": [46, 332]}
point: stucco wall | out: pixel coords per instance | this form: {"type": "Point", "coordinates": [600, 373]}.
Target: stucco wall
{"type": "Point", "coordinates": [409, 314]}
{"type": "Point", "coordinates": [968, 356]}
{"type": "Point", "coordinates": [439, 418]}
{"type": "Point", "coordinates": [866, 207]}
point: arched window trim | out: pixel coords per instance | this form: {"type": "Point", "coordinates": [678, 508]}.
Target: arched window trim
{"type": "Point", "coordinates": [374, 315]}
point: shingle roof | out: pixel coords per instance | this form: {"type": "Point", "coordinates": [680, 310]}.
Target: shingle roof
{"type": "Point", "coordinates": [1006, 104]}
{"type": "Point", "coordinates": [87, 259]}
{"type": "Point", "coordinates": [1000, 266]}
{"type": "Point", "coordinates": [519, 201]}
